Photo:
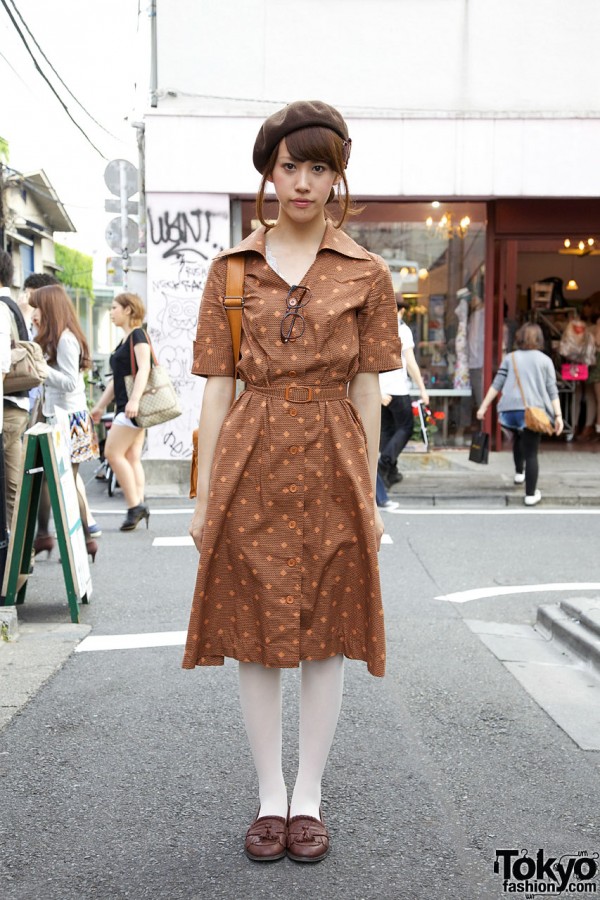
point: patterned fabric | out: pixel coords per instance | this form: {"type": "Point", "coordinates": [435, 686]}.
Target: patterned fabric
{"type": "Point", "coordinates": [288, 569]}
{"type": "Point", "coordinates": [84, 441]}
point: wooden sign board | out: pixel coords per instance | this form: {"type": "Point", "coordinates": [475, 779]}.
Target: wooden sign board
{"type": "Point", "coordinates": [46, 453]}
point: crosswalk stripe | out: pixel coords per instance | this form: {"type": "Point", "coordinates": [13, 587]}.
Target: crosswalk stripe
{"type": "Point", "coordinates": [173, 542]}
{"type": "Point", "coordinates": [131, 641]}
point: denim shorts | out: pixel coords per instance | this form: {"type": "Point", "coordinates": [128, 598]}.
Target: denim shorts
{"type": "Point", "coordinates": [513, 418]}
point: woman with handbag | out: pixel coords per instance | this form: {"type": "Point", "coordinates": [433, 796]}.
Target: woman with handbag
{"type": "Point", "coordinates": [125, 440]}
{"type": "Point", "coordinates": [527, 381]}
{"type": "Point", "coordinates": [286, 519]}
{"type": "Point", "coordinates": [59, 334]}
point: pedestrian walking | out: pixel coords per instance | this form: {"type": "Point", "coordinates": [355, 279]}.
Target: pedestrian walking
{"type": "Point", "coordinates": [15, 405]}
{"type": "Point", "coordinates": [397, 420]}
{"type": "Point", "coordinates": [526, 377]}
{"type": "Point", "coordinates": [60, 336]}
{"type": "Point", "coordinates": [125, 440]}
{"type": "Point", "coordinates": [286, 520]}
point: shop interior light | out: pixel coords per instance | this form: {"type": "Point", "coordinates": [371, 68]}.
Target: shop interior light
{"type": "Point", "coordinates": [572, 285]}
{"type": "Point", "coordinates": [429, 221]}
{"type": "Point", "coordinates": [435, 204]}
{"type": "Point", "coordinates": [423, 273]}
{"type": "Point", "coordinates": [589, 247]}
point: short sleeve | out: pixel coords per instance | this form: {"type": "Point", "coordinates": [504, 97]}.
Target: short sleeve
{"type": "Point", "coordinates": [380, 349]}
{"type": "Point", "coordinates": [139, 336]}
{"type": "Point", "coordinates": [213, 351]}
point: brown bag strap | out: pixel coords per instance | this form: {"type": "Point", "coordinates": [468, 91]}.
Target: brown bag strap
{"type": "Point", "coordinates": [233, 301]}
{"type": "Point", "coordinates": [514, 361]}
{"type": "Point", "coordinates": [134, 365]}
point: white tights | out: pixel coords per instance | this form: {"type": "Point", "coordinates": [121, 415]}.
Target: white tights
{"type": "Point", "coordinates": [321, 689]}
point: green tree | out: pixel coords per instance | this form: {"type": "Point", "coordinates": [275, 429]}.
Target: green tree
{"type": "Point", "coordinates": [3, 149]}
{"type": "Point", "coordinates": [75, 268]}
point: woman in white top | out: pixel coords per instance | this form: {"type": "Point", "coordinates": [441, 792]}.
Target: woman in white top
{"type": "Point", "coordinates": [65, 348]}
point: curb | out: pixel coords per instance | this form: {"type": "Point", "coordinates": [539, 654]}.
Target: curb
{"type": "Point", "coordinates": [28, 663]}
{"type": "Point", "coordinates": [576, 625]}
{"type": "Point", "coordinates": [492, 499]}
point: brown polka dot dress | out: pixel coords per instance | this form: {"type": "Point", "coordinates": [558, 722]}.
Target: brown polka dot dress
{"type": "Point", "coordinates": [288, 568]}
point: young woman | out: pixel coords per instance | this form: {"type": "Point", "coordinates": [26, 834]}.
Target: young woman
{"type": "Point", "coordinates": [60, 336]}
{"type": "Point", "coordinates": [538, 381]}
{"type": "Point", "coordinates": [285, 520]}
{"type": "Point", "coordinates": [125, 440]}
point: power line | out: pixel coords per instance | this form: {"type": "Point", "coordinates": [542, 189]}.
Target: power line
{"type": "Point", "coordinates": [47, 80]}
{"type": "Point", "coordinates": [66, 86]}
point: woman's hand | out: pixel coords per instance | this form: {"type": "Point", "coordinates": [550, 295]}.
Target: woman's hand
{"type": "Point", "coordinates": [386, 399]}
{"type": "Point", "coordinates": [379, 528]}
{"type": "Point", "coordinates": [558, 425]}
{"type": "Point", "coordinates": [96, 414]}
{"type": "Point", "coordinates": [196, 528]}
{"type": "Point", "coordinates": [132, 408]}
{"type": "Point", "coordinates": [480, 414]}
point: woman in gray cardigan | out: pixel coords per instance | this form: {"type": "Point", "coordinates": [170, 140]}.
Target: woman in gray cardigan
{"type": "Point", "coordinates": [538, 380]}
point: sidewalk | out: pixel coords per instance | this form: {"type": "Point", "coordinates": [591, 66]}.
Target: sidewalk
{"type": "Point", "coordinates": [568, 477]}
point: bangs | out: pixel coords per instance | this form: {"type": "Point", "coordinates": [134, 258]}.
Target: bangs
{"type": "Point", "coordinates": [316, 144]}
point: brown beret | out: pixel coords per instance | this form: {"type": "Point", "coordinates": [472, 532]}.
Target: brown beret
{"type": "Point", "coordinates": [297, 115]}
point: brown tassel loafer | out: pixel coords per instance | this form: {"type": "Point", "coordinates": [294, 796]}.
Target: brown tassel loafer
{"type": "Point", "coordinates": [266, 839]}
{"type": "Point", "coordinates": [307, 839]}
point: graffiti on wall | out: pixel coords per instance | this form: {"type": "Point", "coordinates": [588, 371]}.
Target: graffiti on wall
{"type": "Point", "coordinates": [185, 232]}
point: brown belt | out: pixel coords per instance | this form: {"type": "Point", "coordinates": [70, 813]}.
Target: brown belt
{"type": "Point", "coordinates": [303, 393]}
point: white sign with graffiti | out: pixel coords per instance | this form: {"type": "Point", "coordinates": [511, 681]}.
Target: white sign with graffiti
{"type": "Point", "coordinates": [185, 232]}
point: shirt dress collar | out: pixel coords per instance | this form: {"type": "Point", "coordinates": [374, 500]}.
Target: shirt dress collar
{"type": "Point", "coordinates": [333, 239]}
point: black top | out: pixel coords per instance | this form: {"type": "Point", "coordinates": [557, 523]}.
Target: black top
{"type": "Point", "coordinates": [120, 363]}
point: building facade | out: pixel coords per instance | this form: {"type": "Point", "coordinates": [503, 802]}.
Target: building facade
{"type": "Point", "coordinates": [475, 127]}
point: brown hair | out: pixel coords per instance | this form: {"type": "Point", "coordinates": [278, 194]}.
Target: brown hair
{"type": "Point", "coordinates": [314, 143]}
{"type": "Point", "coordinates": [57, 315]}
{"type": "Point", "coordinates": [529, 337]}
{"type": "Point", "coordinates": [135, 304]}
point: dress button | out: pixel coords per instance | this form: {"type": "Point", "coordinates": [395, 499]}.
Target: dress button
{"type": "Point", "coordinates": [289, 599]}
{"type": "Point", "coordinates": [292, 524]}
{"type": "Point", "coordinates": [291, 562]}
{"type": "Point", "coordinates": [293, 488]}
{"type": "Point", "coordinates": [293, 411]}
{"type": "Point", "coordinates": [293, 450]}
{"type": "Point", "coordinates": [292, 374]}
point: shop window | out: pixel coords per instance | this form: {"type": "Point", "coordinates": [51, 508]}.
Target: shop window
{"type": "Point", "coordinates": [436, 255]}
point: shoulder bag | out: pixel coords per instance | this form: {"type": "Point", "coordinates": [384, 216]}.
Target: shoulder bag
{"type": "Point", "coordinates": [28, 368]}
{"type": "Point", "coordinates": [159, 403]}
{"type": "Point", "coordinates": [536, 419]}
{"type": "Point", "coordinates": [480, 448]}
{"type": "Point", "coordinates": [233, 301]}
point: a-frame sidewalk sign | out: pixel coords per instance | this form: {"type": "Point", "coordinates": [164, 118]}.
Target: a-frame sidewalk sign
{"type": "Point", "coordinates": [46, 454]}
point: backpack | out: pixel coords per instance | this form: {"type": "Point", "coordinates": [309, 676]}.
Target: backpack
{"type": "Point", "coordinates": [28, 368]}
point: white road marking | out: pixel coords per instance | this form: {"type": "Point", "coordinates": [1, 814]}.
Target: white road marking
{"type": "Point", "coordinates": [387, 539]}
{"type": "Point", "coordinates": [508, 511]}
{"type": "Point", "coordinates": [501, 590]}
{"type": "Point", "coordinates": [120, 511]}
{"type": "Point", "coordinates": [173, 542]}
{"type": "Point", "coordinates": [131, 641]}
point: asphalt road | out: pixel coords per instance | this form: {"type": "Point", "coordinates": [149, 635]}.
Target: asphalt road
{"type": "Point", "coordinates": [126, 777]}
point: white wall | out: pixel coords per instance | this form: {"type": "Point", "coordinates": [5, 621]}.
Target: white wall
{"type": "Point", "coordinates": [420, 158]}
{"type": "Point", "coordinates": [444, 98]}
{"type": "Point", "coordinates": [533, 56]}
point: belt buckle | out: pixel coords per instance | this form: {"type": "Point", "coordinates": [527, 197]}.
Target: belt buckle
{"type": "Point", "coordinates": [301, 387]}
